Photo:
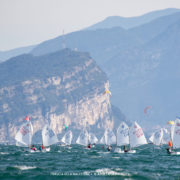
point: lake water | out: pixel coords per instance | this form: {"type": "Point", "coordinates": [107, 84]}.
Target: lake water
{"type": "Point", "coordinates": [149, 162]}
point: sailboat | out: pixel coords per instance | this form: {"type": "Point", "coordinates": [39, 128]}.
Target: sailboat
{"type": "Point", "coordinates": [166, 137]}
{"type": "Point", "coordinates": [48, 137]}
{"type": "Point", "coordinates": [92, 139]}
{"type": "Point", "coordinates": [157, 137]}
{"type": "Point", "coordinates": [67, 138]}
{"type": "Point", "coordinates": [122, 137]}
{"type": "Point", "coordinates": [160, 137]}
{"type": "Point", "coordinates": [108, 138]}
{"type": "Point", "coordinates": [24, 135]}
{"type": "Point", "coordinates": [83, 138]}
{"type": "Point", "coordinates": [136, 136]}
{"type": "Point", "coordinates": [175, 136]}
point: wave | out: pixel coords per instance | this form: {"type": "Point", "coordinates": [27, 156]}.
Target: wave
{"type": "Point", "coordinates": [116, 157]}
{"type": "Point", "coordinates": [25, 167]}
{"type": "Point", "coordinates": [4, 153]}
{"type": "Point", "coordinates": [98, 172]}
{"type": "Point", "coordinates": [110, 172]}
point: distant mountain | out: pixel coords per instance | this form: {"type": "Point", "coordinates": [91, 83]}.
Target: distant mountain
{"type": "Point", "coordinates": [100, 43]}
{"type": "Point", "coordinates": [103, 44]}
{"type": "Point", "coordinates": [131, 22]}
{"type": "Point", "coordinates": [4, 55]}
{"type": "Point", "coordinates": [136, 62]}
{"type": "Point", "coordinates": [62, 88]}
{"type": "Point", "coordinates": [148, 75]}
{"type": "Point", "coordinates": [148, 31]}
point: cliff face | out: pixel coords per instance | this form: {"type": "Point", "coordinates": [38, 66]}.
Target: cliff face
{"type": "Point", "coordinates": [63, 88]}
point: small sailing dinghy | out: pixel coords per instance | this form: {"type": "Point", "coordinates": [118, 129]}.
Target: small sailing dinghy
{"type": "Point", "coordinates": [166, 136]}
{"type": "Point", "coordinates": [67, 138]}
{"type": "Point", "coordinates": [157, 137]}
{"type": "Point", "coordinates": [122, 137]}
{"type": "Point", "coordinates": [136, 137]}
{"type": "Point", "coordinates": [48, 138]}
{"type": "Point", "coordinates": [108, 139]}
{"type": "Point", "coordinates": [83, 138]}
{"type": "Point", "coordinates": [24, 135]}
{"type": "Point", "coordinates": [92, 138]}
{"type": "Point", "coordinates": [175, 136]}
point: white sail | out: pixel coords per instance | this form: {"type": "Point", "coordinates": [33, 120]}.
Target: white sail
{"type": "Point", "coordinates": [24, 135]}
{"type": "Point", "coordinates": [67, 138]}
{"type": "Point", "coordinates": [151, 139]}
{"type": "Point", "coordinates": [136, 135]}
{"type": "Point", "coordinates": [108, 138]}
{"type": "Point", "coordinates": [111, 138]}
{"type": "Point", "coordinates": [166, 136]}
{"type": "Point", "coordinates": [83, 138]}
{"type": "Point", "coordinates": [103, 139]}
{"type": "Point", "coordinates": [176, 134]}
{"type": "Point", "coordinates": [157, 137]}
{"type": "Point", "coordinates": [48, 136]}
{"type": "Point", "coordinates": [92, 138]}
{"type": "Point", "coordinates": [172, 131]}
{"type": "Point", "coordinates": [122, 134]}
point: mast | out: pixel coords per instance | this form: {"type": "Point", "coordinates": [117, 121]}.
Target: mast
{"type": "Point", "coordinates": [116, 136]}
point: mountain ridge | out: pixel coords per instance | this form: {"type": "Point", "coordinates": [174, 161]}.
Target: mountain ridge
{"type": "Point", "coordinates": [131, 22]}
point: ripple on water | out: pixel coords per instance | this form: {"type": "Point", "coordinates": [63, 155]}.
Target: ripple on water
{"type": "Point", "coordinates": [25, 167]}
{"type": "Point", "coordinates": [4, 153]}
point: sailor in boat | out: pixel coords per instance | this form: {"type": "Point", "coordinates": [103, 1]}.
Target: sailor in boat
{"type": "Point", "coordinates": [89, 146]}
{"type": "Point", "coordinates": [42, 147]}
{"type": "Point", "coordinates": [169, 151]}
{"type": "Point", "coordinates": [33, 148]}
{"type": "Point", "coordinates": [109, 148]}
{"type": "Point", "coordinates": [125, 149]}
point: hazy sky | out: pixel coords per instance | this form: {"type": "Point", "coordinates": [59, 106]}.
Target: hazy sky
{"type": "Point", "coordinates": [29, 22]}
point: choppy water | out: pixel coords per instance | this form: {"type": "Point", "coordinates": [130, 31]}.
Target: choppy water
{"type": "Point", "coordinates": [148, 163]}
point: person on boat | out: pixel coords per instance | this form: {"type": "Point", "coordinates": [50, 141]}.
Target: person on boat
{"type": "Point", "coordinates": [109, 148]}
{"type": "Point", "coordinates": [33, 148]}
{"type": "Point", "coordinates": [42, 147]}
{"type": "Point", "coordinates": [89, 146]}
{"type": "Point", "coordinates": [169, 148]}
{"type": "Point", "coordinates": [93, 145]}
{"type": "Point", "coordinates": [125, 148]}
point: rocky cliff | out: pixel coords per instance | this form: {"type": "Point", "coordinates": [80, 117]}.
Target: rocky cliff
{"type": "Point", "coordinates": [62, 88]}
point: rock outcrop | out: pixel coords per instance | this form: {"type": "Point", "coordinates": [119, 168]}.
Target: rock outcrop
{"type": "Point", "coordinates": [62, 88]}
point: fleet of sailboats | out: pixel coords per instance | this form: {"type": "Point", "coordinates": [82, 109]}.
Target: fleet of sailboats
{"type": "Point", "coordinates": [126, 138]}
